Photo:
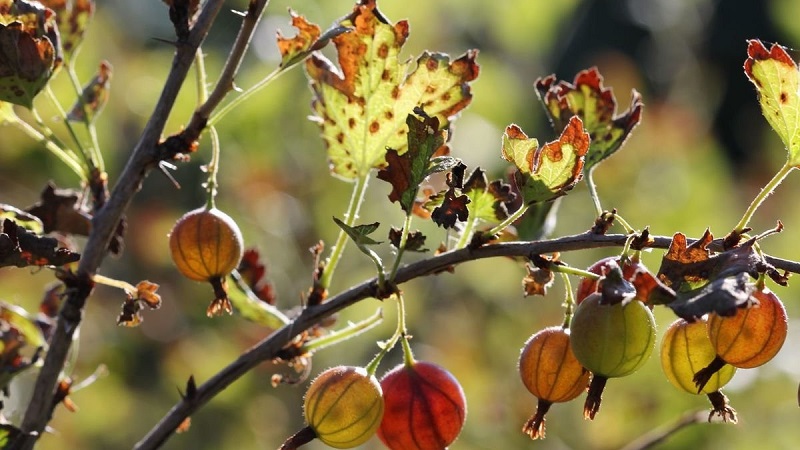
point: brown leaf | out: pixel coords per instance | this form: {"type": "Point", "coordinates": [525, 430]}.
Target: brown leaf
{"type": "Point", "coordinates": [537, 281]}
{"type": "Point", "coordinates": [414, 243]}
{"type": "Point", "coordinates": [253, 272]}
{"type": "Point", "coordinates": [452, 209]}
{"type": "Point", "coordinates": [21, 248]}
{"type": "Point", "coordinates": [57, 210]}
{"type": "Point", "coordinates": [94, 95]}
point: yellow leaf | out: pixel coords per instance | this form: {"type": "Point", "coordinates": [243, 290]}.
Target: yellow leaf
{"type": "Point", "coordinates": [362, 105]}
{"type": "Point", "coordinates": [776, 78]}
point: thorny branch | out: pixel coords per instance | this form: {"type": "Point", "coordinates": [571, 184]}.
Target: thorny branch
{"type": "Point", "coordinates": [269, 348]}
{"type": "Point", "coordinates": [144, 157]}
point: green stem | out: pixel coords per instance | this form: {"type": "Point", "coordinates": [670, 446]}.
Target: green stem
{"type": "Point", "coordinates": [94, 150]}
{"type": "Point", "coordinates": [765, 192]}
{"type": "Point", "coordinates": [402, 248]}
{"type": "Point", "coordinates": [399, 332]}
{"type": "Point", "coordinates": [467, 232]}
{"type": "Point", "coordinates": [356, 199]}
{"type": "Point", "coordinates": [569, 301]}
{"type": "Point", "coordinates": [628, 228]}
{"type": "Point", "coordinates": [60, 153]}
{"type": "Point", "coordinates": [201, 81]}
{"type": "Point", "coordinates": [350, 331]}
{"type": "Point", "coordinates": [509, 220]}
{"type": "Point", "coordinates": [221, 112]}
{"type": "Point", "coordinates": [593, 192]}
{"type": "Point", "coordinates": [574, 271]}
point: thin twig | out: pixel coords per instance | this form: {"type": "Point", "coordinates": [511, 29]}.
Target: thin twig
{"type": "Point", "coordinates": [104, 224]}
{"type": "Point", "coordinates": [269, 348]}
{"type": "Point", "coordinates": [659, 435]}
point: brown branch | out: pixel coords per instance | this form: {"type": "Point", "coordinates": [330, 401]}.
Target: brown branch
{"type": "Point", "coordinates": [143, 158]}
{"type": "Point", "coordinates": [659, 435]}
{"type": "Point", "coordinates": [270, 347]}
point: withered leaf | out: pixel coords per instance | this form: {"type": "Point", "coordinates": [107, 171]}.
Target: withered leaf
{"type": "Point", "coordinates": [73, 19]}
{"type": "Point", "coordinates": [722, 296]}
{"type": "Point", "coordinates": [57, 210]}
{"type": "Point", "coordinates": [587, 98]}
{"type": "Point", "coordinates": [253, 271]}
{"type": "Point", "coordinates": [21, 248]}
{"type": "Point", "coordinates": [537, 281]}
{"type": "Point", "coordinates": [614, 288]}
{"type": "Point", "coordinates": [307, 40]}
{"type": "Point", "coordinates": [29, 50]}
{"type": "Point", "coordinates": [407, 171]}
{"type": "Point", "coordinates": [22, 218]}
{"type": "Point", "coordinates": [415, 242]}
{"type": "Point", "coordinates": [94, 96]}
{"type": "Point", "coordinates": [452, 209]}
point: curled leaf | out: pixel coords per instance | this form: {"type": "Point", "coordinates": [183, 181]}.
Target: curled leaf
{"type": "Point", "coordinates": [548, 172]}
{"type": "Point", "coordinates": [21, 248]}
{"type": "Point", "coordinates": [587, 98]}
{"type": "Point", "coordinates": [73, 19]}
{"type": "Point", "coordinates": [94, 95]}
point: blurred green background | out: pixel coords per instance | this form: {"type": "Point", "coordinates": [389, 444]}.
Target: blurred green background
{"type": "Point", "coordinates": [700, 155]}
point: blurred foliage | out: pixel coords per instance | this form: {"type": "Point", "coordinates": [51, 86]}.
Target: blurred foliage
{"type": "Point", "coordinates": [677, 172]}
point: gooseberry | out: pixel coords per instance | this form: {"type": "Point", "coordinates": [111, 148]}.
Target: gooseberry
{"type": "Point", "coordinates": [610, 341]}
{"type": "Point", "coordinates": [749, 338]}
{"type": "Point", "coordinates": [344, 406]}
{"type": "Point", "coordinates": [550, 371]}
{"type": "Point", "coordinates": [425, 407]}
{"type": "Point", "coordinates": [685, 349]}
{"type": "Point", "coordinates": [206, 245]}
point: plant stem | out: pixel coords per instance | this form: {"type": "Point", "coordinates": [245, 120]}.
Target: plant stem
{"type": "Point", "coordinates": [765, 192]}
{"type": "Point", "coordinates": [221, 112]}
{"type": "Point", "coordinates": [399, 332]}
{"type": "Point", "coordinates": [574, 271]}
{"type": "Point", "coordinates": [94, 150]}
{"type": "Point", "coordinates": [350, 331]}
{"type": "Point", "coordinates": [59, 152]}
{"type": "Point", "coordinates": [569, 301]}
{"type": "Point", "coordinates": [212, 167]}
{"type": "Point", "coordinates": [509, 220]}
{"type": "Point", "coordinates": [466, 233]}
{"type": "Point", "coordinates": [402, 248]}
{"type": "Point", "coordinates": [356, 199]}
{"type": "Point", "coordinates": [598, 208]}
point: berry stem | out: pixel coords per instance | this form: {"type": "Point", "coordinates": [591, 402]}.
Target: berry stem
{"type": "Point", "coordinates": [299, 439]}
{"type": "Point", "coordinates": [593, 192]}
{"type": "Point", "coordinates": [720, 407]}
{"type": "Point", "coordinates": [592, 404]}
{"type": "Point", "coordinates": [703, 375]}
{"type": "Point", "coordinates": [221, 112]}
{"type": "Point", "coordinates": [508, 221]}
{"type": "Point", "coordinates": [201, 80]}
{"type": "Point", "coordinates": [534, 427]}
{"type": "Point", "coordinates": [402, 248]}
{"type": "Point", "coordinates": [569, 302]}
{"type": "Point", "coordinates": [350, 331]}
{"type": "Point", "coordinates": [765, 192]}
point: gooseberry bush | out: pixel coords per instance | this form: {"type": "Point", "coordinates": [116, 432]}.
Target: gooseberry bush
{"type": "Point", "coordinates": [382, 119]}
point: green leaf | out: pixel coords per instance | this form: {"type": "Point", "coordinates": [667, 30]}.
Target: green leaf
{"type": "Point", "coordinates": [362, 106]}
{"type": "Point", "coordinates": [596, 106]}
{"type": "Point", "coordinates": [406, 172]}
{"type": "Point", "coordinates": [255, 310]}
{"type": "Point", "coordinates": [548, 172]}
{"type": "Point", "coordinates": [775, 75]}
{"type": "Point", "coordinates": [487, 200]}
{"type": "Point", "coordinates": [22, 218]}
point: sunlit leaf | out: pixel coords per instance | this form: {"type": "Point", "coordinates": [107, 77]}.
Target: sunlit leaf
{"type": "Point", "coordinates": [94, 95]}
{"type": "Point", "coordinates": [22, 218]}
{"type": "Point", "coordinates": [362, 105]}
{"type": "Point", "coordinates": [29, 50]}
{"type": "Point", "coordinates": [7, 114]}
{"type": "Point", "coordinates": [307, 40]}
{"type": "Point", "coordinates": [547, 172]}
{"type": "Point", "coordinates": [405, 172]}
{"type": "Point", "coordinates": [488, 200]}
{"type": "Point", "coordinates": [775, 75]}
{"type": "Point", "coordinates": [587, 98]}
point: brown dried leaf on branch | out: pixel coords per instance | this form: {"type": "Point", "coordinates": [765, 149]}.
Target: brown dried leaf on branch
{"type": "Point", "coordinates": [21, 248]}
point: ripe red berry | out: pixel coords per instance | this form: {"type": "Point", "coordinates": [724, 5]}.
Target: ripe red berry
{"type": "Point", "coordinates": [425, 407]}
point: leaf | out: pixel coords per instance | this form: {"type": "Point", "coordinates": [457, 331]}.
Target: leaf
{"type": "Point", "coordinates": [94, 95]}
{"type": "Point", "coordinates": [415, 241]}
{"type": "Point", "coordinates": [7, 114]}
{"type": "Point", "coordinates": [307, 40]}
{"type": "Point", "coordinates": [23, 219]}
{"type": "Point", "coordinates": [614, 288]}
{"type": "Point", "coordinates": [360, 236]}
{"type": "Point", "coordinates": [596, 106]}
{"type": "Point", "coordinates": [361, 106]}
{"type": "Point", "coordinates": [73, 19]}
{"type": "Point", "coordinates": [452, 209]}
{"type": "Point", "coordinates": [537, 281]}
{"type": "Point", "coordinates": [488, 201]}
{"type": "Point", "coordinates": [253, 271]}
{"type": "Point", "coordinates": [21, 248]}
{"type": "Point", "coordinates": [775, 75]}
{"type": "Point", "coordinates": [21, 342]}
{"type": "Point", "coordinates": [29, 50]}
{"type": "Point", "coordinates": [145, 295]}
{"type": "Point", "coordinates": [8, 434]}
{"type": "Point", "coordinates": [722, 296]}
{"type": "Point", "coordinates": [256, 310]}
{"type": "Point", "coordinates": [56, 209]}
{"type": "Point", "coordinates": [548, 172]}
{"type": "Point", "coordinates": [407, 171]}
